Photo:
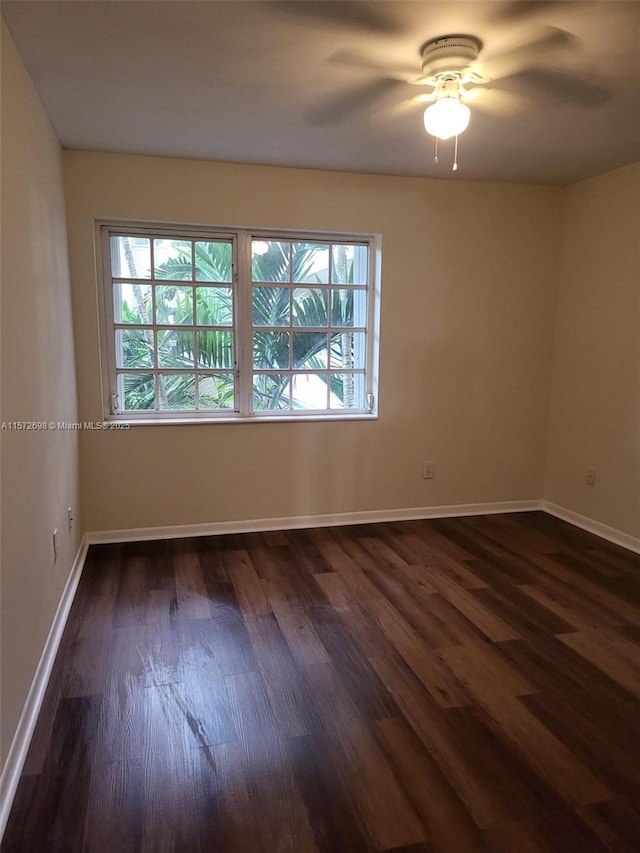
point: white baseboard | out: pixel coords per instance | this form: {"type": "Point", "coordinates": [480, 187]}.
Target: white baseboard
{"type": "Point", "coordinates": [611, 534]}
{"type": "Point", "coordinates": [20, 745]}
{"type": "Point", "coordinates": [253, 525]}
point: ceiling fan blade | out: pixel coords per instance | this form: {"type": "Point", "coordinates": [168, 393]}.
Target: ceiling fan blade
{"type": "Point", "coordinates": [519, 10]}
{"type": "Point", "coordinates": [349, 58]}
{"type": "Point", "coordinates": [409, 104]}
{"type": "Point", "coordinates": [336, 110]}
{"type": "Point", "coordinates": [506, 63]}
{"type": "Point", "coordinates": [580, 90]}
{"type": "Point", "coordinates": [355, 14]}
{"type": "Point", "coordinates": [496, 101]}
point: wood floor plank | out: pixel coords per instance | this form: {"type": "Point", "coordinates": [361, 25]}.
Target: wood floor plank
{"type": "Point", "coordinates": [614, 654]}
{"type": "Point", "coordinates": [334, 588]}
{"type": "Point", "coordinates": [427, 534]}
{"type": "Point", "coordinates": [59, 803]}
{"type": "Point", "coordinates": [443, 735]}
{"type": "Point", "coordinates": [191, 591]}
{"type": "Point", "coordinates": [115, 811]}
{"type": "Point", "coordinates": [469, 605]}
{"type": "Point", "coordinates": [421, 552]}
{"type": "Point", "coordinates": [600, 595]}
{"type": "Point", "coordinates": [447, 821]}
{"type": "Point", "coordinates": [527, 614]}
{"type": "Point", "coordinates": [239, 820]}
{"type": "Point", "coordinates": [380, 799]}
{"type": "Point", "coordinates": [614, 760]}
{"type": "Point", "coordinates": [365, 689]}
{"type": "Point", "coordinates": [502, 564]}
{"type": "Point", "coordinates": [510, 837]}
{"type": "Point", "coordinates": [446, 690]}
{"type": "Point", "coordinates": [413, 602]}
{"type": "Point", "coordinates": [246, 583]}
{"type": "Point", "coordinates": [299, 633]}
{"type": "Point", "coordinates": [572, 608]}
{"type": "Point", "coordinates": [207, 818]}
{"type": "Point", "coordinates": [546, 754]}
{"type": "Point", "coordinates": [288, 696]}
{"type": "Point", "coordinates": [348, 558]}
{"type": "Point", "coordinates": [267, 773]}
{"type": "Point", "coordinates": [616, 823]}
{"type": "Point", "coordinates": [439, 686]}
{"type": "Point", "coordinates": [508, 530]}
{"type": "Point", "coordinates": [328, 796]}
{"type": "Point", "coordinates": [165, 763]}
{"type": "Point", "coordinates": [563, 676]}
{"type": "Point", "coordinates": [298, 585]}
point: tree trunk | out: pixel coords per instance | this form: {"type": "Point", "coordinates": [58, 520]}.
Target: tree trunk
{"type": "Point", "coordinates": [163, 400]}
{"type": "Point", "coordinates": [346, 338]}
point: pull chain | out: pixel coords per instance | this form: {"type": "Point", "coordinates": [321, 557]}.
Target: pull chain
{"type": "Point", "coordinates": [455, 155]}
{"type": "Point", "coordinates": [435, 152]}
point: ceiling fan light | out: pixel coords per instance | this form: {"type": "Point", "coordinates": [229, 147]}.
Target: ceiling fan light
{"type": "Point", "coordinates": [446, 118]}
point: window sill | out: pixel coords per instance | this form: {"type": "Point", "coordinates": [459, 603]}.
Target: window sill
{"type": "Point", "coordinates": [271, 419]}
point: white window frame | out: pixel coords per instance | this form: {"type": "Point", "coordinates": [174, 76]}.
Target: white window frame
{"type": "Point", "coordinates": [240, 238]}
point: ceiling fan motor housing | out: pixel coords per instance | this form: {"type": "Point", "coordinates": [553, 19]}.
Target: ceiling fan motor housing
{"type": "Point", "coordinates": [449, 54]}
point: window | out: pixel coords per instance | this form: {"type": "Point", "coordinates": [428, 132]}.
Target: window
{"type": "Point", "coordinates": [230, 324]}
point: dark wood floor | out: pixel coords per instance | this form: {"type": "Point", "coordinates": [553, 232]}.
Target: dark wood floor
{"type": "Point", "coordinates": [450, 685]}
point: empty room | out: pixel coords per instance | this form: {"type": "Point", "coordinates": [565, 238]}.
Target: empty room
{"type": "Point", "coordinates": [320, 445]}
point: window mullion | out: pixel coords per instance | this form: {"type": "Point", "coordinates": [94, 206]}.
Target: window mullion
{"type": "Point", "coordinates": [243, 317]}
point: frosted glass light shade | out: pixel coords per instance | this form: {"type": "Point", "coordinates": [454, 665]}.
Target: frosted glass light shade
{"type": "Point", "coordinates": [446, 118]}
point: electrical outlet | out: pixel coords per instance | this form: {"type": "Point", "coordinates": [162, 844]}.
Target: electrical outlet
{"type": "Point", "coordinates": [55, 544]}
{"type": "Point", "coordinates": [70, 518]}
{"type": "Point", "coordinates": [591, 477]}
{"type": "Point", "coordinates": [428, 470]}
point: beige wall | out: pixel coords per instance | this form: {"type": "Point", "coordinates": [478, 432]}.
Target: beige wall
{"type": "Point", "coordinates": [469, 291]}
{"type": "Point", "coordinates": [595, 401]}
{"type": "Point", "coordinates": [39, 470]}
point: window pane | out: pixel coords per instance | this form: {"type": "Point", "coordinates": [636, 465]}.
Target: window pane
{"type": "Point", "coordinates": [347, 391]}
{"type": "Point", "coordinates": [177, 391]}
{"type": "Point", "coordinates": [349, 308]}
{"type": "Point", "coordinates": [270, 350]}
{"type": "Point", "coordinates": [132, 303]}
{"type": "Point", "coordinates": [213, 261]}
{"type": "Point", "coordinates": [215, 349]}
{"type": "Point", "coordinates": [348, 350]}
{"type": "Point", "coordinates": [309, 350]}
{"type": "Point", "coordinates": [136, 391]}
{"type": "Point", "coordinates": [270, 260]}
{"type": "Point", "coordinates": [271, 306]}
{"type": "Point", "coordinates": [271, 391]}
{"type": "Point", "coordinates": [349, 264]}
{"type": "Point", "coordinates": [130, 257]}
{"type": "Point", "coordinates": [134, 348]}
{"type": "Point", "coordinates": [310, 262]}
{"type": "Point", "coordinates": [174, 305]}
{"type": "Point", "coordinates": [175, 349]}
{"type": "Point", "coordinates": [215, 391]}
{"type": "Point", "coordinates": [172, 259]}
{"type": "Point", "coordinates": [214, 306]}
{"type": "Point", "coordinates": [309, 391]}
{"type": "Point", "coordinates": [310, 306]}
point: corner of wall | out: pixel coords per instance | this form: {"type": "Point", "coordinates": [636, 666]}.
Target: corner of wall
{"type": "Point", "coordinates": [39, 460]}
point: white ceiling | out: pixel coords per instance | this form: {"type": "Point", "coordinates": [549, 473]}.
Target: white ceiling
{"type": "Point", "coordinates": [258, 82]}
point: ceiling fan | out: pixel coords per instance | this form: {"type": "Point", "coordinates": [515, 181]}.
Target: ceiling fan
{"type": "Point", "coordinates": [455, 71]}
{"type": "Point", "coordinates": [452, 70]}
{"type": "Point", "coordinates": [456, 74]}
